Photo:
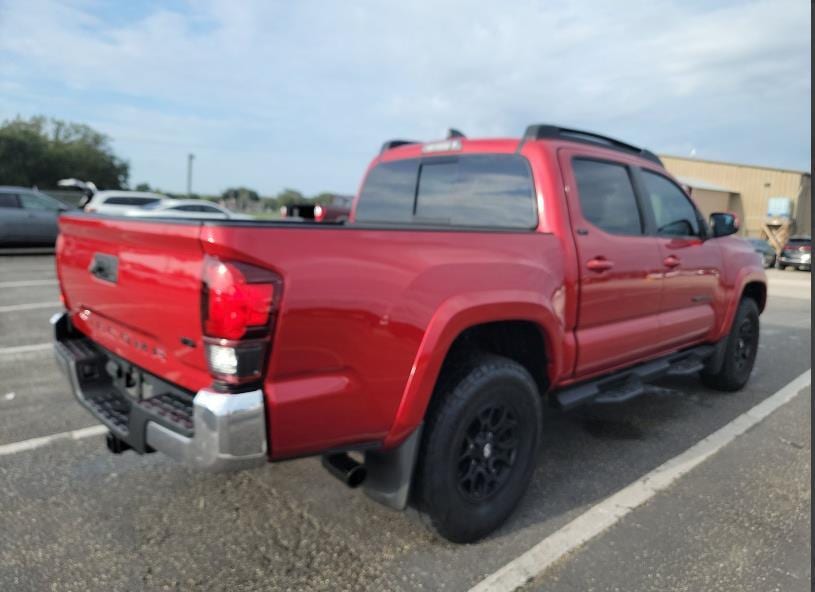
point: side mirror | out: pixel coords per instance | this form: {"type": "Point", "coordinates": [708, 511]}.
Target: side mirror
{"type": "Point", "coordinates": [723, 224]}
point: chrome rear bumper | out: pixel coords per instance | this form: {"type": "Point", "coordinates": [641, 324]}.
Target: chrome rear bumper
{"type": "Point", "coordinates": [229, 433]}
{"type": "Point", "coordinates": [210, 430]}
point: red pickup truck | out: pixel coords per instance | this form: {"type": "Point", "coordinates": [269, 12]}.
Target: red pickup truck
{"type": "Point", "coordinates": [416, 346]}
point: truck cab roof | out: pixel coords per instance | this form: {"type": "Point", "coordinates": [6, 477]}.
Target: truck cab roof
{"type": "Point", "coordinates": [457, 142]}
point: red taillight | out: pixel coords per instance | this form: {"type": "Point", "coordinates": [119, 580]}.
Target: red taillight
{"type": "Point", "coordinates": [319, 213]}
{"type": "Point", "coordinates": [806, 248]}
{"type": "Point", "coordinates": [238, 298]}
{"type": "Point", "coordinates": [238, 309]}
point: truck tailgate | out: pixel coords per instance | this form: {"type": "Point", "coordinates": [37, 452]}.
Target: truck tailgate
{"type": "Point", "coordinates": [134, 287]}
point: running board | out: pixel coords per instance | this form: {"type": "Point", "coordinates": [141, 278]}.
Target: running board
{"type": "Point", "coordinates": [630, 383]}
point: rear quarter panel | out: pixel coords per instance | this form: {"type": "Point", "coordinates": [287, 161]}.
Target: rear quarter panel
{"type": "Point", "coordinates": [366, 316]}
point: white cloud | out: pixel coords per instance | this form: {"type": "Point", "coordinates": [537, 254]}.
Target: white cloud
{"type": "Point", "coordinates": [301, 94]}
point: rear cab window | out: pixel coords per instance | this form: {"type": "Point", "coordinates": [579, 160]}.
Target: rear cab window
{"type": "Point", "coordinates": [469, 190]}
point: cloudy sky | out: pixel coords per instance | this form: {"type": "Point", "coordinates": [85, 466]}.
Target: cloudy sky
{"type": "Point", "coordinates": [301, 94]}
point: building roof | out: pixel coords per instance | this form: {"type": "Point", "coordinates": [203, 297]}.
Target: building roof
{"type": "Point", "coordinates": [707, 185]}
{"type": "Point", "coordinates": [737, 164]}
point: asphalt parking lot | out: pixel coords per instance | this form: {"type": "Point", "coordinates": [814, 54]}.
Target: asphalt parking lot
{"type": "Point", "coordinates": [74, 517]}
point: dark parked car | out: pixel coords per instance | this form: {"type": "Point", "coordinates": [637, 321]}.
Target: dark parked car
{"type": "Point", "coordinates": [797, 253]}
{"type": "Point", "coordinates": [764, 249]}
{"type": "Point", "coordinates": [336, 210]}
{"type": "Point", "coordinates": [28, 217]}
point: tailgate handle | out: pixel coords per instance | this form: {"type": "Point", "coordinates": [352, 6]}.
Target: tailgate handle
{"type": "Point", "coordinates": [105, 267]}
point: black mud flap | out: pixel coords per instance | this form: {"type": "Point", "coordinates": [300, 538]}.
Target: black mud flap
{"type": "Point", "coordinates": [390, 473]}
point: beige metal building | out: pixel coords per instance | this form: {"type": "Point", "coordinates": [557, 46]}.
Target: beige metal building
{"type": "Point", "coordinates": [745, 189]}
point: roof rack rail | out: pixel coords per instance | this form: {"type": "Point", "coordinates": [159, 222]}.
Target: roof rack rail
{"type": "Point", "coordinates": [543, 131]}
{"type": "Point", "coordinates": [390, 144]}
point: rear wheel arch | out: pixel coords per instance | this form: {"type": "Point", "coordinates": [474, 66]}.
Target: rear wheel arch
{"type": "Point", "coordinates": [452, 326]}
{"type": "Point", "coordinates": [522, 341]}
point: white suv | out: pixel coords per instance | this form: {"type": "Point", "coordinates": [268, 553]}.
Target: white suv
{"type": "Point", "coordinates": [186, 208]}
{"type": "Point", "coordinates": [120, 202]}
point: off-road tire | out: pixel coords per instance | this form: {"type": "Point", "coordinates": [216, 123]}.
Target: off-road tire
{"type": "Point", "coordinates": [466, 484]}
{"type": "Point", "coordinates": [740, 350]}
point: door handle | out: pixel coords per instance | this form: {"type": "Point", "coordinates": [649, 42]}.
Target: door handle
{"type": "Point", "coordinates": [599, 264]}
{"type": "Point", "coordinates": [671, 261]}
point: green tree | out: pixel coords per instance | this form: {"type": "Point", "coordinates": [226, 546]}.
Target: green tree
{"type": "Point", "coordinates": [241, 194]}
{"type": "Point", "coordinates": [41, 151]}
{"type": "Point", "coordinates": [323, 198]}
{"type": "Point", "coordinates": [239, 198]}
{"type": "Point", "coordinates": [143, 187]}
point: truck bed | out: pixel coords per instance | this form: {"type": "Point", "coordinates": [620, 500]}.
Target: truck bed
{"type": "Point", "coordinates": [357, 303]}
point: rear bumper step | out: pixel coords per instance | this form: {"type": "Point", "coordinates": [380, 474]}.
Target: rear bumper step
{"type": "Point", "coordinates": [630, 383]}
{"type": "Point", "coordinates": [207, 430]}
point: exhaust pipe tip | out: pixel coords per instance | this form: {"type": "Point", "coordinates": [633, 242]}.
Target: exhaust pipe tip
{"type": "Point", "coordinates": [345, 468]}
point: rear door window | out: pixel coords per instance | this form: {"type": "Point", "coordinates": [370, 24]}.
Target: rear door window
{"type": "Point", "coordinates": [607, 197]}
{"type": "Point", "coordinates": [9, 200]}
{"type": "Point", "coordinates": [33, 201]}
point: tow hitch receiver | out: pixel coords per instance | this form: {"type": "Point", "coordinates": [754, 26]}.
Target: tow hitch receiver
{"type": "Point", "coordinates": [115, 445]}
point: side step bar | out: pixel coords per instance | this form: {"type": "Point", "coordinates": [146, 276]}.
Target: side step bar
{"type": "Point", "coordinates": [630, 383]}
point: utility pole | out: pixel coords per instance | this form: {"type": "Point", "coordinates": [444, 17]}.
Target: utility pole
{"type": "Point", "coordinates": [190, 158]}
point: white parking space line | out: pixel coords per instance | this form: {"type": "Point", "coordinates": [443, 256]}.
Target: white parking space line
{"type": "Point", "coordinates": [33, 443]}
{"type": "Point", "coordinates": [600, 517]}
{"type": "Point", "coordinates": [27, 349]}
{"type": "Point", "coordinates": [30, 306]}
{"type": "Point", "coordinates": [28, 283]}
